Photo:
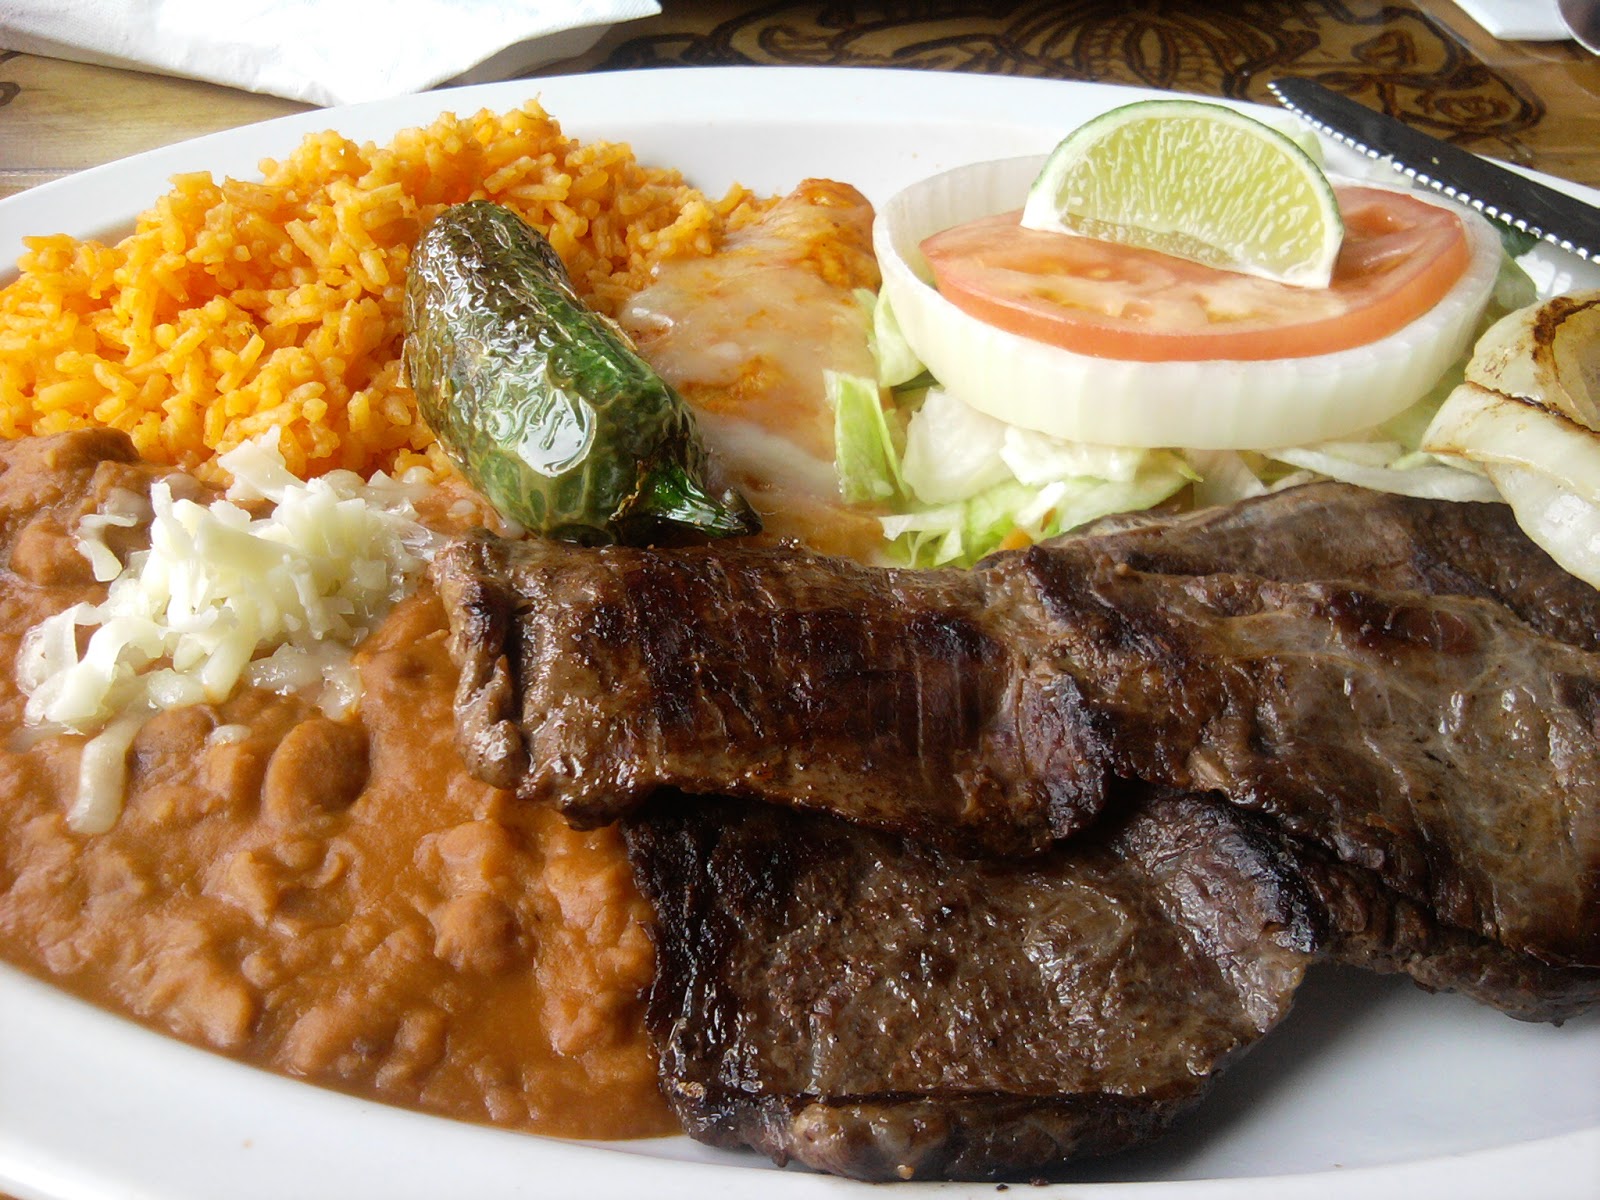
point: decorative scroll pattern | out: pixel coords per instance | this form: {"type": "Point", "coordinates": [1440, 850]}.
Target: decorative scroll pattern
{"type": "Point", "coordinates": [1389, 56]}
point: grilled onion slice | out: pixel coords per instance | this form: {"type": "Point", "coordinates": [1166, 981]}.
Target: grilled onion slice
{"type": "Point", "coordinates": [1528, 415]}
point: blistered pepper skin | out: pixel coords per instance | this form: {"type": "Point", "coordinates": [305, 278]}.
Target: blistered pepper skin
{"type": "Point", "coordinates": [542, 403]}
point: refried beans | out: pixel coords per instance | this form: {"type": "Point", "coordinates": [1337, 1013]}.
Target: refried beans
{"type": "Point", "coordinates": [335, 900]}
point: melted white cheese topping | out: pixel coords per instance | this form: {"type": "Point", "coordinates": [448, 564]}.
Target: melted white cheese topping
{"type": "Point", "coordinates": [221, 597]}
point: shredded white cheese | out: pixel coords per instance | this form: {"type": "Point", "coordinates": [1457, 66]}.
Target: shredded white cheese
{"type": "Point", "coordinates": [220, 598]}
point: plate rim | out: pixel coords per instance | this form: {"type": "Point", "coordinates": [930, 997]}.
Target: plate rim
{"type": "Point", "coordinates": [1484, 1172]}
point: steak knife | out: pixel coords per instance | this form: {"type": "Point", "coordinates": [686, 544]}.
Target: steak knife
{"type": "Point", "coordinates": [1538, 210]}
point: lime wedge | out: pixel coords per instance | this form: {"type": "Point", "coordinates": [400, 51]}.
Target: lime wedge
{"type": "Point", "coordinates": [1194, 180]}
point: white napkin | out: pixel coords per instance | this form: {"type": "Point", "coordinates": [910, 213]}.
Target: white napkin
{"type": "Point", "coordinates": [1518, 20]}
{"type": "Point", "coordinates": [322, 51]}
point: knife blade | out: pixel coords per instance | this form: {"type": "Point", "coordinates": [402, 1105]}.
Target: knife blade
{"type": "Point", "coordinates": [1523, 203]}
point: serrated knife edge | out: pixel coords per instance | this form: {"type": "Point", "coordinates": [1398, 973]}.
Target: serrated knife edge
{"type": "Point", "coordinates": [1568, 223]}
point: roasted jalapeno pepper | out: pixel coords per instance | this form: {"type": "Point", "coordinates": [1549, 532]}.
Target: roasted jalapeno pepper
{"type": "Point", "coordinates": [544, 404]}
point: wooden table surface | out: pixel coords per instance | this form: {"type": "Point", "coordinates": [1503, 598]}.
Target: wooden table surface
{"type": "Point", "coordinates": [1425, 61]}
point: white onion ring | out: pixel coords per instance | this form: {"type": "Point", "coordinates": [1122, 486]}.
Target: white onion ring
{"type": "Point", "coordinates": [1209, 405]}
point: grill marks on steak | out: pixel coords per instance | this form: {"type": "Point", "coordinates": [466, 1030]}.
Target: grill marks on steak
{"type": "Point", "coordinates": [892, 698]}
{"type": "Point", "coordinates": [1364, 924]}
{"type": "Point", "coordinates": [1328, 531]}
{"type": "Point", "coordinates": [1432, 740]}
{"type": "Point", "coordinates": [862, 1005]}
{"type": "Point", "coordinates": [1392, 718]}
{"type": "Point", "coordinates": [866, 1006]}
{"type": "Point", "coordinates": [1414, 725]}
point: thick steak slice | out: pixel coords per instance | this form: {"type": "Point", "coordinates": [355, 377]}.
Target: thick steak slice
{"type": "Point", "coordinates": [1367, 926]}
{"type": "Point", "coordinates": [1363, 923]}
{"type": "Point", "coordinates": [894, 698]}
{"type": "Point", "coordinates": [857, 1003]}
{"type": "Point", "coordinates": [1330, 531]}
{"type": "Point", "coordinates": [1435, 740]}
{"type": "Point", "coordinates": [1431, 737]}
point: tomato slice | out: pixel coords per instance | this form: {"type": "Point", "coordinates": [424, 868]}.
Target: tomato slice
{"type": "Point", "coordinates": [1400, 256]}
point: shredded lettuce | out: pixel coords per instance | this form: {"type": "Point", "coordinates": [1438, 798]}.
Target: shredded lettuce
{"type": "Point", "coordinates": [959, 484]}
{"type": "Point", "coordinates": [1386, 467]}
{"type": "Point", "coordinates": [1038, 458]}
{"type": "Point", "coordinates": [1388, 460]}
{"type": "Point", "coordinates": [1016, 513]}
{"type": "Point", "coordinates": [1515, 242]}
{"type": "Point", "coordinates": [973, 483]}
{"type": "Point", "coordinates": [898, 363]}
{"type": "Point", "coordinates": [865, 455]}
{"type": "Point", "coordinates": [1408, 426]}
{"type": "Point", "coordinates": [1225, 476]}
{"type": "Point", "coordinates": [1514, 288]}
{"type": "Point", "coordinates": [953, 451]}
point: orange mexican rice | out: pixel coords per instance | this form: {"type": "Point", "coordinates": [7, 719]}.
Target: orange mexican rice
{"type": "Point", "coordinates": [237, 307]}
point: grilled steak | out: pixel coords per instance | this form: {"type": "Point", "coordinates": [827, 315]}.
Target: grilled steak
{"type": "Point", "coordinates": [860, 1004]}
{"type": "Point", "coordinates": [593, 680]}
{"type": "Point", "coordinates": [1434, 740]}
{"type": "Point", "coordinates": [1415, 726]}
{"type": "Point", "coordinates": [1362, 923]}
{"type": "Point", "coordinates": [1329, 532]}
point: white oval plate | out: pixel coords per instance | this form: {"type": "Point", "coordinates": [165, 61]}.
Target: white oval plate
{"type": "Point", "coordinates": [1370, 1088]}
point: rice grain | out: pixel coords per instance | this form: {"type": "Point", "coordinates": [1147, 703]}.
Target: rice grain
{"type": "Point", "coordinates": [242, 306]}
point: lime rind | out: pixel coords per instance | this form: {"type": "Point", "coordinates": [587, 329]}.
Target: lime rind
{"type": "Point", "coordinates": [1198, 181]}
